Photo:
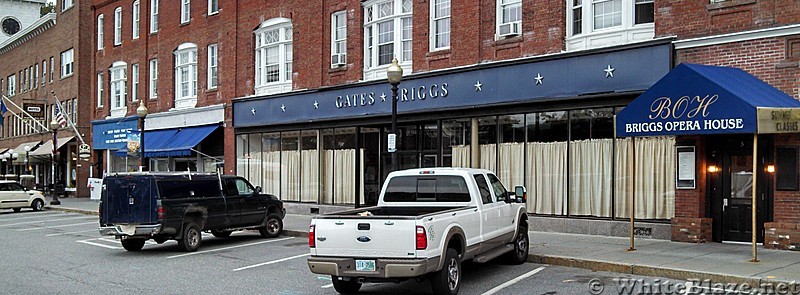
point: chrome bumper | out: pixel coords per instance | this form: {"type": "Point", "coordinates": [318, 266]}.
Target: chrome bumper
{"type": "Point", "coordinates": [130, 230]}
{"type": "Point", "coordinates": [384, 268]}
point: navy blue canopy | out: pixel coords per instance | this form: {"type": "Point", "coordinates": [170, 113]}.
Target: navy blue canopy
{"type": "Point", "coordinates": [698, 99]}
{"type": "Point", "coordinates": [173, 142]}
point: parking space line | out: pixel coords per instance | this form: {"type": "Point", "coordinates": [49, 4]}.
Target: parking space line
{"type": "Point", "coordinates": [272, 262]}
{"type": "Point", "coordinates": [513, 281]}
{"type": "Point", "coordinates": [49, 220]}
{"type": "Point", "coordinates": [226, 248]}
{"type": "Point", "coordinates": [72, 232]}
{"type": "Point", "coordinates": [56, 226]}
{"type": "Point", "coordinates": [327, 286]}
{"type": "Point", "coordinates": [89, 242]}
{"type": "Point", "coordinates": [32, 215]}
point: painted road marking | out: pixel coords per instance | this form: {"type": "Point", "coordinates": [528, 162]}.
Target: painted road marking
{"type": "Point", "coordinates": [514, 281]}
{"type": "Point", "coordinates": [327, 286]}
{"type": "Point", "coordinates": [49, 220]}
{"type": "Point", "coordinates": [89, 242]}
{"type": "Point", "coordinates": [272, 262]}
{"type": "Point", "coordinates": [72, 232]}
{"type": "Point", "coordinates": [226, 248]}
{"type": "Point", "coordinates": [57, 226]}
{"type": "Point", "coordinates": [33, 215]}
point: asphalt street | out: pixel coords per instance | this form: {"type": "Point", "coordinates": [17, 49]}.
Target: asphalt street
{"type": "Point", "coordinates": [52, 252]}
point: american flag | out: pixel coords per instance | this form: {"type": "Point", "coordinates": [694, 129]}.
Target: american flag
{"type": "Point", "coordinates": [60, 116]}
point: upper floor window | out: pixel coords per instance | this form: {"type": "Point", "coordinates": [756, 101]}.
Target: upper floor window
{"type": "Point", "coordinates": [338, 39]}
{"type": "Point", "coordinates": [52, 68]}
{"type": "Point", "coordinates": [118, 26]}
{"type": "Point", "coordinates": [273, 56]}
{"type": "Point", "coordinates": [100, 32]}
{"type": "Point", "coordinates": [134, 82]}
{"type": "Point", "coordinates": [186, 75]}
{"type": "Point", "coordinates": [596, 23]}
{"type": "Point", "coordinates": [36, 75]}
{"type": "Point", "coordinates": [212, 66]}
{"type": "Point", "coordinates": [387, 29]}
{"type": "Point", "coordinates": [509, 17]}
{"type": "Point", "coordinates": [67, 63]}
{"type": "Point", "coordinates": [44, 72]}
{"type": "Point", "coordinates": [153, 87]}
{"type": "Point", "coordinates": [66, 4]}
{"type": "Point", "coordinates": [12, 85]}
{"type": "Point", "coordinates": [213, 6]}
{"type": "Point", "coordinates": [153, 16]}
{"type": "Point", "coordinates": [118, 77]}
{"type": "Point", "coordinates": [135, 24]}
{"type": "Point", "coordinates": [440, 24]}
{"type": "Point", "coordinates": [185, 11]}
{"type": "Point", "coordinates": [99, 90]}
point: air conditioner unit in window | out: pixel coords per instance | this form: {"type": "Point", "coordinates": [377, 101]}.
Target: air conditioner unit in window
{"type": "Point", "coordinates": [509, 29]}
{"type": "Point", "coordinates": [338, 59]}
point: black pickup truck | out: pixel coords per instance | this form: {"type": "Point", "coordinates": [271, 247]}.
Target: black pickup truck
{"type": "Point", "coordinates": [135, 207]}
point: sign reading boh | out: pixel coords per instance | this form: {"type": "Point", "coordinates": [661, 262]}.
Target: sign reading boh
{"type": "Point", "coordinates": [687, 113]}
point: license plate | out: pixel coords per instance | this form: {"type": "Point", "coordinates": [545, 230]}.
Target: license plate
{"type": "Point", "coordinates": [365, 265]}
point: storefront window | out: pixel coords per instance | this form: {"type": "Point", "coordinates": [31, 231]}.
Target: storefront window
{"type": "Point", "coordinates": [254, 163]}
{"type": "Point", "coordinates": [590, 162]}
{"type": "Point", "coordinates": [309, 182]}
{"type": "Point", "coordinates": [456, 143]}
{"type": "Point", "coordinates": [241, 155]}
{"type": "Point", "coordinates": [511, 150]}
{"type": "Point", "coordinates": [652, 167]}
{"type": "Point", "coordinates": [290, 166]}
{"type": "Point", "coordinates": [546, 169]}
{"type": "Point", "coordinates": [339, 158]}
{"type": "Point", "coordinates": [487, 143]}
{"type": "Point", "coordinates": [271, 163]}
{"type": "Point", "coordinates": [370, 165]}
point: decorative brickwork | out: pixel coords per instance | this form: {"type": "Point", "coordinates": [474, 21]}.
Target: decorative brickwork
{"type": "Point", "coordinates": [691, 230]}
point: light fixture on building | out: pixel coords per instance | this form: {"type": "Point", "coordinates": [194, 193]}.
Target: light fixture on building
{"type": "Point", "coordinates": [771, 168]}
{"type": "Point", "coordinates": [713, 168]}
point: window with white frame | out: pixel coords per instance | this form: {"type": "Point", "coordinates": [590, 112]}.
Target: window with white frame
{"type": "Point", "coordinates": [100, 32]}
{"type": "Point", "coordinates": [134, 82]}
{"type": "Point", "coordinates": [213, 6]}
{"type": "Point", "coordinates": [26, 85]}
{"type": "Point", "coordinates": [12, 85]}
{"type": "Point", "coordinates": [440, 24]}
{"type": "Point", "coordinates": [212, 66]}
{"type": "Point", "coordinates": [273, 56]}
{"type": "Point", "coordinates": [338, 39]}
{"type": "Point", "coordinates": [35, 75]}
{"type": "Point", "coordinates": [597, 23]}
{"type": "Point", "coordinates": [118, 26]}
{"type": "Point", "coordinates": [135, 23]}
{"type": "Point", "coordinates": [153, 16]}
{"type": "Point", "coordinates": [52, 68]}
{"type": "Point", "coordinates": [185, 11]}
{"type": "Point", "coordinates": [186, 75]}
{"type": "Point", "coordinates": [118, 77]}
{"type": "Point", "coordinates": [153, 87]}
{"type": "Point", "coordinates": [387, 29]}
{"type": "Point", "coordinates": [99, 90]}
{"type": "Point", "coordinates": [44, 72]}
{"type": "Point", "coordinates": [66, 63]}
{"type": "Point", "coordinates": [75, 110]}
{"type": "Point", "coordinates": [509, 18]}
{"type": "Point", "coordinates": [66, 4]}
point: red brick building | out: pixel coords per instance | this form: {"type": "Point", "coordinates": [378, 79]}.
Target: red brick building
{"type": "Point", "coordinates": [45, 59]}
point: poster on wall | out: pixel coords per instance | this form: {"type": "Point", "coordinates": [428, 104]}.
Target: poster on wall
{"type": "Point", "coordinates": [686, 169]}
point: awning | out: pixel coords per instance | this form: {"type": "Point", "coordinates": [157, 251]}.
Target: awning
{"type": "Point", "coordinates": [698, 99]}
{"type": "Point", "coordinates": [46, 149]}
{"type": "Point", "coordinates": [173, 142]}
{"type": "Point", "coordinates": [20, 150]}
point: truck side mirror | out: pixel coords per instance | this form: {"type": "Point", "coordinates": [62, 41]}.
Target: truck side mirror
{"type": "Point", "coordinates": [521, 194]}
{"type": "Point", "coordinates": [258, 189]}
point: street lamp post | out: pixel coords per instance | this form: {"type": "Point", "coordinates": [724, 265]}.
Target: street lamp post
{"type": "Point", "coordinates": [141, 111]}
{"type": "Point", "coordinates": [27, 154]}
{"type": "Point", "coordinates": [54, 127]}
{"type": "Point", "coordinates": [394, 74]}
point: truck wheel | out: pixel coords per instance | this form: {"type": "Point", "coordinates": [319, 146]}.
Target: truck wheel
{"type": "Point", "coordinates": [191, 238]}
{"type": "Point", "coordinates": [447, 281]}
{"type": "Point", "coordinates": [37, 205]}
{"type": "Point", "coordinates": [521, 245]}
{"type": "Point", "coordinates": [133, 244]}
{"type": "Point", "coordinates": [273, 227]}
{"type": "Point", "coordinates": [221, 233]}
{"type": "Point", "coordinates": [345, 287]}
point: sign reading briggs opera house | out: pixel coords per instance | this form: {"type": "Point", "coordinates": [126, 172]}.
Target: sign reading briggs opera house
{"type": "Point", "coordinates": [686, 113]}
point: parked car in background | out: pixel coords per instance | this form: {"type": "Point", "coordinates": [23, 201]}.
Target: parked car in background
{"type": "Point", "coordinates": [135, 207]}
{"type": "Point", "coordinates": [15, 196]}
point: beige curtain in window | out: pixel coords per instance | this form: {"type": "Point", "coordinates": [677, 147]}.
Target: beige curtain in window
{"type": "Point", "coordinates": [254, 168]}
{"type": "Point", "coordinates": [512, 164]}
{"type": "Point", "coordinates": [461, 156]}
{"type": "Point", "coordinates": [271, 173]}
{"type": "Point", "coordinates": [310, 176]}
{"type": "Point", "coordinates": [290, 175]}
{"type": "Point", "coordinates": [339, 176]}
{"type": "Point", "coordinates": [327, 176]}
{"type": "Point", "coordinates": [654, 172]}
{"type": "Point", "coordinates": [547, 177]}
{"type": "Point", "coordinates": [489, 157]}
{"type": "Point", "coordinates": [590, 177]}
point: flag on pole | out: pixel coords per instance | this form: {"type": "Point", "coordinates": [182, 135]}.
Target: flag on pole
{"type": "Point", "coordinates": [60, 116]}
{"type": "Point", "coordinates": [3, 110]}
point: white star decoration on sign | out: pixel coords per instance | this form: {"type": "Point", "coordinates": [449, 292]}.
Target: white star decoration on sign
{"type": "Point", "coordinates": [383, 96]}
{"type": "Point", "coordinates": [609, 71]}
{"type": "Point", "coordinates": [283, 108]}
{"type": "Point", "coordinates": [253, 110]}
{"type": "Point", "coordinates": [478, 86]}
{"type": "Point", "coordinates": [316, 105]}
{"type": "Point", "coordinates": [538, 79]}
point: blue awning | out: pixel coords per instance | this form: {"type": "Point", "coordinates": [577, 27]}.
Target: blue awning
{"type": "Point", "coordinates": [698, 99]}
{"type": "Point", "coordinates": [173, 142]}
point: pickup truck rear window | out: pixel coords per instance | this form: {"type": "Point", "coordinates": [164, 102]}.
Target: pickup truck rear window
{"type": "Point", "coordinates": [181, 189]}
{"type": "Point", "coordinates": [439, 188]}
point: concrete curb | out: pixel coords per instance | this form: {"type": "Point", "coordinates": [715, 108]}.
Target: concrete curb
{"type": "Point", "coordinates": [71, 210]}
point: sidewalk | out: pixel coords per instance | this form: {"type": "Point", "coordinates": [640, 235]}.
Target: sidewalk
{"type": "Point", "coordinates": [720, 263]}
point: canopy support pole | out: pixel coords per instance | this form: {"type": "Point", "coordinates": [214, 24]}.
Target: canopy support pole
{"type": "Point", "coordinates": [633, 197]}
{"type": "Point", "coordinates": [754, 228]}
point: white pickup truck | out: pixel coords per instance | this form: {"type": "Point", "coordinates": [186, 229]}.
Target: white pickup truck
{"type": "Point", "coordinates": [426, 223]}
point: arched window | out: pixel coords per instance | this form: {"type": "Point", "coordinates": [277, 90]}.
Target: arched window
{"type": "Point", "coordinates": [186, 76]}
{"type": "Point", "coordinates": [118, 77]}
{"type": "Point", "coordinates": [273, 56]}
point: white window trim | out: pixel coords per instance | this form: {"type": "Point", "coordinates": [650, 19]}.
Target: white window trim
{"type": "Point", "coordinates": [118, 26]}
{"type": "Point", "coordinates": [118, 103]}
{"type": "Point", "coordinates": [186, 11]}
{"type": "Point", "coordinates": [284, 83]}
{"type": "Point", "coordinates": [341, 56]}
{"type": "Point", "coordinates": [52, 68]}
{"type": "Point", "coordinates": [213, 65]}
{"type": "Point", "coordinates": [135, 20]}
{"type": "Point", "coordinates": [152, 85]}
{"type": "Point", "coordinates": [153, 16]}
{"type": "Point", "coordinates": [432, 26]}
{"type": "Point", "coordinates": [134, 82]}
{"type": "Point", "coordinates": [12, 85]}
{"type": "Point", "coordinates": [212, 12]}
{"type": "Point", "coordinates": [68, 65]}
{"type": "Point", "coordinates": [100, 35]}
{"type": "Point", "coordinates": [189, 101]}
{"type": "Point", "coordinates": [499, 21]}
{"type": "Point", "coordinates": [379, 72]}
{"type": "Point", "coordinates": [627, 32]}
{"type": "Point", "coordinates": [67, 4]}
{"type": "Point", "coordinates": [99, 90]}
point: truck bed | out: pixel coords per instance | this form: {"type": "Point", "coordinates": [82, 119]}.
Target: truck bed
{"type": "Point", "coordinates": [390, 212]}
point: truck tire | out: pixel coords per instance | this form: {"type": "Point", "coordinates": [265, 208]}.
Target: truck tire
{"type": "Point", "coordinates": [191, 238]}
{"type": "Point", "coordinates": [133, 244]}
{"type": "Point", "coordinates": [273, 227]}
{"type": "Point", "coordinates": [345, 287]}
{"type": "Point", "coordinates": [447, 281]}
{"type": "Point", "coordinates": [17, 209]}
{"type": "Point", "coordinates": [221, 233]}
{"type": "Point", "coordinates": [521, 245]}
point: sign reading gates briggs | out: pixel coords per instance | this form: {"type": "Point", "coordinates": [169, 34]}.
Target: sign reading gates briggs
{"type": "Point", "coordinates": [35, 109]}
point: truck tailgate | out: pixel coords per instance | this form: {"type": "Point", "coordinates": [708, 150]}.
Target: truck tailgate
{"type": "Point", "coordinates": [366, 237]}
